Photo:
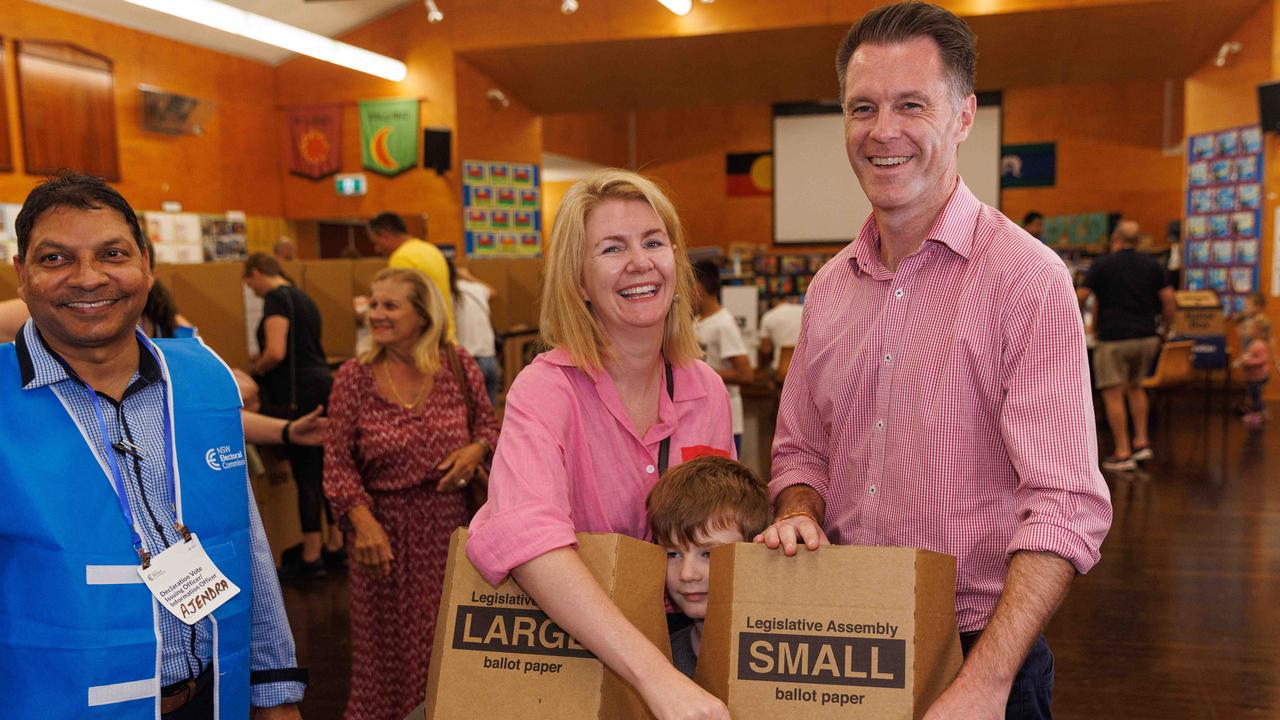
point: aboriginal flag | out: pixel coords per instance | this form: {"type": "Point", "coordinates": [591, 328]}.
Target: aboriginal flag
{"type": "Point", "coordinates": [748, 174]}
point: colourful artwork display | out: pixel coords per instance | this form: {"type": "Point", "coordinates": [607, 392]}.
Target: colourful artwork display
{"type": "Point", "coordinates": [501, 209]}
{"type": "Point", "coordinates": [1224, 198]}
{"type": "Point", "coordinates": [1086, 230]}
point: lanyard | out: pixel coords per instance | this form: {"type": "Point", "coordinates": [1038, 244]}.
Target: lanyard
{"type": "Point", "coordinates": [664, 448]}
{"type": "Point", "coordinates": [113, 461]}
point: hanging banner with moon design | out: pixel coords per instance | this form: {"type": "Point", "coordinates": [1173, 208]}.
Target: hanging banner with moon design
{"type": "Point", "coordinates": [315, 134]}
{"type": "Point", "coordinates": [389, 135]}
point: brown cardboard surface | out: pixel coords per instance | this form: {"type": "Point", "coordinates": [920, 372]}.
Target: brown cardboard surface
{"type": "Point", "coordinates": [516, 283]}
{"type": "Point", "coordinates": [496, 655]}
{"type": "Point", "coordinates": [211, 296]}
{"type": "Point", "coordinates": [362, 272]}
{"type": "Point", "coordinates": [842, 632]}
{"type": "Point", "coordinates": [329, 283]}
{"type": "Point", "coordinates": [8, 280]}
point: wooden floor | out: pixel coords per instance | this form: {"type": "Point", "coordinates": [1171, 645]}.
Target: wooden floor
{"type": "Point", "coordinates": [1181, 619]}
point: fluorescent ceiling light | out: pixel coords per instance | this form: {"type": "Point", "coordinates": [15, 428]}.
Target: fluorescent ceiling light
{"type": "Point", "coordinates": [273, 32]}
{"type": "Point", "coordinates": [679, 7]}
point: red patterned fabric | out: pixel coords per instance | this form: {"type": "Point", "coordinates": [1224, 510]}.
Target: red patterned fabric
{"type": "Point", "coordinates": [947, 405]}
{"type": "Point", "coordinates": [380, 455]}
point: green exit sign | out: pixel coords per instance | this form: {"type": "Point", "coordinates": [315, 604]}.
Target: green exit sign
{"type": "Point", "coordinates": [351, 184]}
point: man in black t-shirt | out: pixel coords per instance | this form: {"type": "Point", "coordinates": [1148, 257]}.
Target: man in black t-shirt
{"type": "Point", "coordinates": [1131, 289]}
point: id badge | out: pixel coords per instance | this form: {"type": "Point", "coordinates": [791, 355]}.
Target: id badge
{"type": "Point", "coordinates": [186, 582]}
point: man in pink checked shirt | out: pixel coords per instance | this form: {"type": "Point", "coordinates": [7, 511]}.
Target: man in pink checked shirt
{"type": "Point", "coordinates": [939, 393]}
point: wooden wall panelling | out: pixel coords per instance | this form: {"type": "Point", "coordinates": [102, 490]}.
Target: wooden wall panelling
{"type": "Point", "coordinates": [6, 152]}
{"type": "Point", "coordinates": [66, 99]}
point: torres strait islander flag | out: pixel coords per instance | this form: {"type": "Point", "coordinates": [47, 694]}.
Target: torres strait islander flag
{"type": "Point", "coordinates": [389, 135]}
{"type": "Point", "coordinates": [314, 137]}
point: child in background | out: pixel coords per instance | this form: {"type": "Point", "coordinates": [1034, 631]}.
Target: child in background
{"type": "Point", "coordinates": [696, 506]}
{"type": "Point", "coordinates": [1255, 360]}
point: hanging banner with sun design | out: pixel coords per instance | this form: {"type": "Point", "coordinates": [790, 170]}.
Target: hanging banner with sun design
{"type": "Point", "coordinates": [389, 135]}
{"type": "Point", "coordinates": [314, 137]}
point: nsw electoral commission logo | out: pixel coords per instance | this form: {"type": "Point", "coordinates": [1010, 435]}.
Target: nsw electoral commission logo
{"type": "Point", "coordinates": [224, 457]}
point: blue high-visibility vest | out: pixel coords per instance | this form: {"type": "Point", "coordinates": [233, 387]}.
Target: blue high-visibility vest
{"type": "Point", "coordinates": [79, 632]}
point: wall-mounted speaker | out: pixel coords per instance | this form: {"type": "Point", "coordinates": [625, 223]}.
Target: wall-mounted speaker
{"type": "Point", "coordinates": [437, 153]}
{"type": "Point", "coordinates": [1269, 106]}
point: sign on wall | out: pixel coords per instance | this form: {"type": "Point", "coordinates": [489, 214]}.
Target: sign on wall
{"type": "Point", "coordinates": [501, 209]}
{"type": "Point", "coordinates": [1223, 226]}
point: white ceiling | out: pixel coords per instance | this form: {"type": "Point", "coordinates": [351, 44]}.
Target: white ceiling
{"type": "Point", "coordinates": [324, 17]}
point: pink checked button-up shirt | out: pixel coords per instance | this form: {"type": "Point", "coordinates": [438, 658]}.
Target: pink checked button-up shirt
{"type": "Point", "coordinates": [568, 459]}
{"type": "Point", "coordinates": [947, 405]}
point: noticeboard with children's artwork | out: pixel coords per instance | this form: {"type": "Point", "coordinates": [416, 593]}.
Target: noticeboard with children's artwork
{"type": "Point", "coordinates": [1224, 205]}
{"type": "Point", "coordinates": [501, 209]}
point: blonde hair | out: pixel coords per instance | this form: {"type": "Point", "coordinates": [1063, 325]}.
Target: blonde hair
{"type": "Point", "coordinates": [566, 321]}
{"type": "Point", "coordinates": [426, 300]}
{"type": "Point", "coordinates": [1258, 327]}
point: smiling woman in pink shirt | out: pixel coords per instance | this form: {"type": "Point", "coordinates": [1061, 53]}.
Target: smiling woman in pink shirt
{"type": "Point", "coordinates": [590, 424]}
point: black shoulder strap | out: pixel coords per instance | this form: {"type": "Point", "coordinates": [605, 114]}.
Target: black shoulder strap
{"type": "Point", "coordinates": [664, 449]}
{"type": "Point", "coordinates": [291, 347]}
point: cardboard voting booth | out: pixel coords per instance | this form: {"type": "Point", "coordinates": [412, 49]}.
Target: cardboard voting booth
{"type": "Point", "coordinates": [844, 632]}
{"type": "Point", "coordinates": [496, 655]}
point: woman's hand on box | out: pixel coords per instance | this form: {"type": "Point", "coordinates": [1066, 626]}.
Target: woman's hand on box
{"type": "Point", "coordinates": [676, 697]}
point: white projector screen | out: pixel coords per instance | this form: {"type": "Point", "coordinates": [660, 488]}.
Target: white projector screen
{"type": "Point", "coordinates": [816, 196]}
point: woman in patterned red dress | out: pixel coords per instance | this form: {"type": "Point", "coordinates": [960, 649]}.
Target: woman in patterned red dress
{"type": "Point", "coordinates": [400, 450]}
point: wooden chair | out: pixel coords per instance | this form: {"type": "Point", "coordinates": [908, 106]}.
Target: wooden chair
{"type": "Point", "coordinates": [784, 362]}
{"type": "Point", "coordinates": [1173, 368]}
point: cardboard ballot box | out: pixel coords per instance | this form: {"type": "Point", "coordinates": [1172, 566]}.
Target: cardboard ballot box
{"type": "Point", "coordinates": [1199, 313]}
{"type": "Point", "coordinates": [496, 655]}
{"type": "Point", "coordinates": [844, 632]}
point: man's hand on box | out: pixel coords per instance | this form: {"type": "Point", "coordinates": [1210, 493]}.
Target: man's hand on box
{"type": "Point", "coordinates": [965, 701]}
{"type": "Point", "coordinates": [789, 532]}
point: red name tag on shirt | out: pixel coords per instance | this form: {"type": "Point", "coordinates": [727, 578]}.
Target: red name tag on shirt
{"type": "Point", "coordinates": [697, 451]}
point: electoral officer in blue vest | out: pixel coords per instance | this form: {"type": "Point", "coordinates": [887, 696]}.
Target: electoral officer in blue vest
{"type": "Point", "coordinates": [125, 509]}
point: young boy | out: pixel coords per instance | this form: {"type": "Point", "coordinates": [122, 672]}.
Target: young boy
{"type": "Point", "coordinates": [696, 506]}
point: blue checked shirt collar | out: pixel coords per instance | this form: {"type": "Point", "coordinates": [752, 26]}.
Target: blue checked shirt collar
{"type": "Point", "coordinates": [42, 367]}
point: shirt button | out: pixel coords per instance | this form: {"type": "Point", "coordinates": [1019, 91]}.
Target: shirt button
{"type": "Point", "coordinates": [898, 293]}
{"type": "Point", "coordinates": [879, 424]}
{"type": "Point", "coordinates": [888, 358]}
{"type": "Point", "coordinates": [871, 490]}
{"type": "Point", "coordinates": [648, 469]}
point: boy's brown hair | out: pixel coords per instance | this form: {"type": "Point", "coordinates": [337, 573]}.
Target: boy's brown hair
{"type": "Point", "coordinates": [703, 494]}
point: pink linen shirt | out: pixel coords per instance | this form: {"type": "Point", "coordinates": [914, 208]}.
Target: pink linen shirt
{"type": "Point", "coordinates": [569, 460]}
{"type": "Point", "coordinates": [947, 405]}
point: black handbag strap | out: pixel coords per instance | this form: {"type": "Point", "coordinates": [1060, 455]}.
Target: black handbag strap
{"type": "Point", "coordinates": [455, 365]}
{"type": "Point", "coordinates": [664, 449]}
{"type": "Point", "coordinates": [291, 348]}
